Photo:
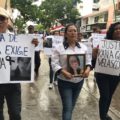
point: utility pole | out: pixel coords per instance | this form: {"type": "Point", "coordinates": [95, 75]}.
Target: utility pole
{"type": "Point", "coordinates": [114, 10]}
{"type": "Point", "coordinates": [6, 4]}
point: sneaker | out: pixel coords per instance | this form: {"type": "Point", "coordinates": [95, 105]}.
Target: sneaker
{"type": "Point", "coordinates": [108, 117]}
{"type": "Point", "coordinates": [50, 86]}
{"type": "Point", "coordinates": [56, 82]}
{"type": "Point", "coordinates": [37, 73]}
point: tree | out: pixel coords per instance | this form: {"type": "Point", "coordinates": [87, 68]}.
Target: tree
{"type": "Point", "coordinates": [61, 10]}
{"type": "Point", "coordinates": [19, 23]}
{"type": "Point", "coordinates": [49, 11]}
{"type": "Point", "coordinates": [39, 27]}
{"type": "Point", "coordinates": [27, 10]}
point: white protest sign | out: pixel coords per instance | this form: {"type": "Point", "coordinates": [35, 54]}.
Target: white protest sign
{"type": "Point", "coordinates": [48, 51]}
{"type": "Point", "coordinates": [96, 39]}
{"type": "Point", "coordinates": [88, 44]}
{"type": "Point", "coordinates": [40, 44]}
{"type": "Point", "coordinates": [58, 40]}
{"type": "Point", "coordinates": [16, 59]}
{"type": "Point", "coordinates": [108, 59]}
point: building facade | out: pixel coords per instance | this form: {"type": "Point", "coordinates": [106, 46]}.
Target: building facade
{"type": "Point", "coordinates": [104, 12]}
{"type": "Point", "coordinates": [83, 8]}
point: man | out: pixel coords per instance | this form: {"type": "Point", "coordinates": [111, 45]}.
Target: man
{"type": "Point", "coordinates": [37, 52]}
{"type": "Point", "coordinates": [11, 92]}
{"type": "Point", "coordinates": [80, 36]}
{"type": "Point", "coordinates": [30, 29]}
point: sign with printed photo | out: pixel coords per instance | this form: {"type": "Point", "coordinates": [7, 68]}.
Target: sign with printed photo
{"type": "Point", "coordinates": [51, 42]}
{"type": "Point", "coordinates": [76, 64]}
{"type": "Point", "coordinates": [48, 43]}
{"type": "Point", "coordinates": [16, 58]}
{"type": "Point", "coordinates": [20, 69]}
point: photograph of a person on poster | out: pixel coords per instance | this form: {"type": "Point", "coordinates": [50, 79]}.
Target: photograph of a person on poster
{"type": "Point", "coordinates": [48, 43]}
{"type": "Point", "coordinates": [21, 69]}
{"type": "Point", "coordinates": [75, 65]}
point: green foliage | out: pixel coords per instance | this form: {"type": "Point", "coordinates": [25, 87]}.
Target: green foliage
{"type": "Point", "coordinates": [39, 27]}
{"type": "Point", "coordinates": [27, 10]}
{"type": "Point", "coordinates": [62, 10]}
{"type": "Point", "coordinates": [19, 22]}
{"type": "Point", "coordinates": [49, 11]}
{"type": "Point", "coordinates": [23, 6]}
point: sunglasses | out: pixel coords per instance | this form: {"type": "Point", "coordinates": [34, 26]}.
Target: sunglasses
{"type": "Point", "coordinates": [2, 18]}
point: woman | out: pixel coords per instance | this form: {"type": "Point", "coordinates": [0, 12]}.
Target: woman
{"type": "Point", "coordinates": [74, 65]}
{"type": "Point", "coordinates": [107, 84]}
{"type": "Point", "coordinates": [69, 86]}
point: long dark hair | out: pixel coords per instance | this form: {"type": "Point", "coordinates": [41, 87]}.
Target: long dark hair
{"type": "Point", "coordinates": [111, 30]}
{"type": "Point", "coordinates": [66, 29]}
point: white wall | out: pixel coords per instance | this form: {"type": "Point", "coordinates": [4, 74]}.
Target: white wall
{"type": "Point", "coordinates": [106, 3]}
{"type": "Point", "coordinates": [87, 7]}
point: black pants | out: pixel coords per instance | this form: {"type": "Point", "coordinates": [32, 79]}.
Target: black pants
{"type": "Point", "coordinates": [93, 63]}
{"type": "Point", "coordinates": [51, 71]}
{"type": "Point", "coordinates": [12, 94]}
{"type": "Point", "coordinates": [37, 61]}
{"type": "Point", "coordinates": [107, 85]}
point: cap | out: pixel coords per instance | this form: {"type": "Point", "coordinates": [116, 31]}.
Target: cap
{"type": "Point", "coordinates": [4, 13]}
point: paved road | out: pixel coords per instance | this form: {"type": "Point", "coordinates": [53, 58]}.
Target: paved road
{"type": "Point", "coordinates": [40, 103]}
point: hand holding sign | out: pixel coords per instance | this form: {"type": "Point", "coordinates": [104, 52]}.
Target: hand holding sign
{"type": "Point", "coordinates": [35, 41]}
{"type": "Point", "coordinates": [66, 74]}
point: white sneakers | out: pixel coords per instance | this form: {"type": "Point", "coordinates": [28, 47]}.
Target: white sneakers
{"type": "Point", "coordinates": [50, 86]}
{"type": "Point", "coordinates": [56, 82]}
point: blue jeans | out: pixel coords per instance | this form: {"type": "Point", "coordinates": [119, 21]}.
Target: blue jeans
{"type": "Point", "coordinates": [12, 94]}
{"type": "Point", "coordinates": [69, 93]}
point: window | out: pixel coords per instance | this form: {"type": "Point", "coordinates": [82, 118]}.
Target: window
{"type": "Point", "coordinates": [96, 19]}
{"type": "Point", "coordinates": [95, 9]}
{"type": "Point", "coordinates": [118, 6]}
{"type": "Point", "coordinates": [105, 17]}
{"type": "Point", "coordinates": [88, 28]}
{"type": "Point", "coordinates": [96, 1]}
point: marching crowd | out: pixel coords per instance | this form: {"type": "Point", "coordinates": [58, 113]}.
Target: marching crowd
{"type": "Point", "coordinates": [64, 62]}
